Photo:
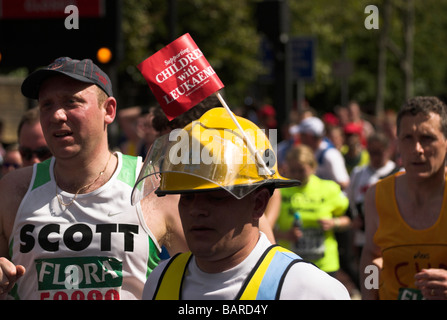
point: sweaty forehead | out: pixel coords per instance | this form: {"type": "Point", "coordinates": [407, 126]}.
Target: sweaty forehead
{"type": "Point", "coordinates": [421, 122]}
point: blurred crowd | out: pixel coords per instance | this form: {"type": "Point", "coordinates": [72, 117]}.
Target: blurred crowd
{"type": "Point", "coordinates": [359, 149]}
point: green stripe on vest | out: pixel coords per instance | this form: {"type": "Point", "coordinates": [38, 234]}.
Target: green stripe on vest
{"type": "Point", "coordinates": [154, 258]}
{"type": "Point", "coordinates": [128, 173]}
{"type": "Point", "coordinates": [42, 174]}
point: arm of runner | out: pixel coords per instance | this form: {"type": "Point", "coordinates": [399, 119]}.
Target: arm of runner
{"type": "Point", "coordinates": [273, 208]}
{"type": "Point", "coordinates": [162, 218]}
{"type": "Point", "coordinates": [371, 255]}
{"type": "Point", "coordinates": [13, 187]}
{"type": "Point", "coordinates": [9, 274]}
{"type": "Point", "coordinates": [338, 223]}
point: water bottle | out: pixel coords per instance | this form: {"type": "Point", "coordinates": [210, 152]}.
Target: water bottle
{"type": "Point", "coordinates": [297, 223]}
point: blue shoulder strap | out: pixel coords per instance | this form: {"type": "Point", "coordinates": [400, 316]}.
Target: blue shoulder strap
{"type": "Point", "coordinates": [330, 145]}
{"type": "Point", "coordinates": [265, 282]}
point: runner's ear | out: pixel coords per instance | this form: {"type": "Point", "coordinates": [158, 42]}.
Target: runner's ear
{"type": "Point", "coordinates": [110, 107]}
{"type": "Point", "coordinates": [261, 199]}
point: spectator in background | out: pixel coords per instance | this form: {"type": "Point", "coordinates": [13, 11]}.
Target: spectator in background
{"type": "Point", "coordinates": [267, 117]}
{"type": "Point", "coordinates": [128, 122]}
{"type": "Point", "coordinates": [336, 135]}
{"type": "Point", "coordinates": [149, 133]}
{"type": "Point", "coordinates": [355, 116]}
{"type": "Point", "coordinates": [32, 144]}
{"type": "Point", "coordinates": [330, 120]}
{"type": "Point", "coordinates": [387, 125]}
{"type": "Point", "coordinates": [290, 138]}
{"type": "Point", "coordinates": [320, 206]}
{"type": "Point", "coordinates": [331, 164]}
{"type": "Point", "coordinates": [354, 151]}
{"type": "Point", "coordinates": [334, 131]}
{"type": "Point", "coordinates": [2, 147]}
{"type": "Point", "coordinates": [12, 159]}
{"type": "Point", "coordinates": [292, 134]}
{"type": "Point", "coordinates": [342, 114]}
{"type": "Point", "coordinates": [362, 177]}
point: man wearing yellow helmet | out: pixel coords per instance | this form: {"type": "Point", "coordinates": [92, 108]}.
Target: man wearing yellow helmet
{"type": "Point", "coordinates": [224, 189]}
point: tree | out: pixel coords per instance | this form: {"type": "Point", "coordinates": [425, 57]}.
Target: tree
{"type": "Point", "coordinates": [405, 55]}
{"type": "Point", "coordinates": [413, 32]}
{"type": "Point", "coordinates": [225, 31]}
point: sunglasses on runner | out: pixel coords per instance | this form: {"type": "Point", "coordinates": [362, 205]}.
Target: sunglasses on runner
{"type": "Point", "coordinates": [42, 153]}
{"type": "Point", "coordinates": [8, 164]}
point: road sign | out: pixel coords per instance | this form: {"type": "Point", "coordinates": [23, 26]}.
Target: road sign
{"type": "Point", "coordinates": [302, 50]}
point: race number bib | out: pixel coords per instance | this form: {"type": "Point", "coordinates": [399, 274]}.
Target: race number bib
{"type": "Point", "coordinates": [410, 294]}
{"type": "Point", "coordinates": [311, 245]}
{"type": "Point", "coordinates": [79, 278]}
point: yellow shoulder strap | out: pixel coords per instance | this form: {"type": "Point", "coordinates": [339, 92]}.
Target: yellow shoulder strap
{"type": "Point", "coordinates": [170, 282]}
{"type": "Point", "coordinates": [252, 289]}
{"type": "Point", "coordinates": [271, 267]}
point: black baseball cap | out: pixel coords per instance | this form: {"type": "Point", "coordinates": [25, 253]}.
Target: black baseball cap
{"type": "Point", "coordinates": [82, 70]}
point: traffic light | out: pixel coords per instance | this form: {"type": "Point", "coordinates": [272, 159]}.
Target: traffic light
{"type": "Point", "coordinates": [104, 55]}
{"type": "Point", "coordinates": [272, 19]}
{"type": "Point", "coordinates": [33, 36]}
{"type": "Point", "coordinates": [273, 23]}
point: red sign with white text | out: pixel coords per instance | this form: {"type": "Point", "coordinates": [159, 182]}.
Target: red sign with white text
{"type": "Point", "coordinates": [179, 76]}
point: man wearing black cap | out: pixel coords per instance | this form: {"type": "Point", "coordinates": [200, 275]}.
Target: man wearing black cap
{"type": "Point", "coordinates": [68, 230]}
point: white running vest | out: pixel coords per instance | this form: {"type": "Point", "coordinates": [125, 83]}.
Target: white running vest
{"type": "Point", "coordinates": [97, 248]}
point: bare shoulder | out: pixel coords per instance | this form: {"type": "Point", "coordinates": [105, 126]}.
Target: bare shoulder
{"type": "Point", "coordinates": [158, 212]}
{"type": "Point", "coordinates": [370, 195]}
{"type": "Point", "coordinates": [13, 187]}
{"type": "Point", "coordinates": [162, 218]}
{"type": "Point", "coordinates": [370, 205]}
{"type": "Point", "coordinates": [371, 221]}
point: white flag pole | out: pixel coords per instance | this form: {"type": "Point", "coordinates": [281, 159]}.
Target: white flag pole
{"type": "Point", "coordinates": [251, 148]}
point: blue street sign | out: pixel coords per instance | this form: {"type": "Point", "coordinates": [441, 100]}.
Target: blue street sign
{"type": "Point", "coordinates": [302, 51]}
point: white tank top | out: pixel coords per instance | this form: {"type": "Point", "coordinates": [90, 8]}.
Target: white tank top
{"type": "Point", "coordinates": [97, 248]}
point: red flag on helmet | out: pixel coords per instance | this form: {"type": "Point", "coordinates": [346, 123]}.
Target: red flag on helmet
{"type": "Point", "coordinates": [179, 76]}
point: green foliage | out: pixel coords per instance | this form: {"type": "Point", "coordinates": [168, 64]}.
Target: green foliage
{"type": "Point", "coordinates": [225, 30]}
{"type": "Point", "coordinates": [339, 23]}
